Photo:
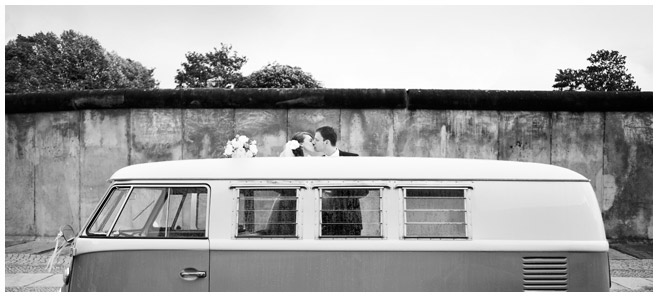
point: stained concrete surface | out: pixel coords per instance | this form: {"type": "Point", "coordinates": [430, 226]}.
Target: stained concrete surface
{"type": "Point", "coordinates": [206, 131]}
{"type": "Point", "coordinates": [309, 120]}
{"type": "Point", "coordinates": [525, 136]}
{"type": "Point", "coordinates": [267, 126]}
{"type": "Point", "coordinates": [20, 160]}
{"type": "Point", "coordinates": [58, 163]}
{"type": "Point", "coordinates": [367, 132]}
{"type": "Point", "coordinates": [627, 190]}
{"type": "Point", "coordinates": [57, 176]}
{"type": "Point", "coordinates": [104, 150]}
{"type": "Point", "coordinates": [155, 135]}
{"type": "Point", "coordinates": [446, 133]}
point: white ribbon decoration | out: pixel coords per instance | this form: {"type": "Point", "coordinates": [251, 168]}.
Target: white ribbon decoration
{"type": "Point", "coordinates": [51, 261]}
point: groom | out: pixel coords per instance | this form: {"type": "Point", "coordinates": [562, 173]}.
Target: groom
{"type": "Point", "coordinates": [343, 213]}
{"type": "Point", "coordinates": [325, 142]}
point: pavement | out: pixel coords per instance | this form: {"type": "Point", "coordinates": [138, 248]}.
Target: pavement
{"type": "Point", "coordinates": [631, 267]}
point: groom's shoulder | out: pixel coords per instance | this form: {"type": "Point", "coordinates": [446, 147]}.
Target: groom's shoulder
{"type": "Point", "coordinates": [347, 154]}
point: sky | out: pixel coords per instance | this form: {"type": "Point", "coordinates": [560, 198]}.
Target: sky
{"type": "Point", "coordinates": [499, 47]}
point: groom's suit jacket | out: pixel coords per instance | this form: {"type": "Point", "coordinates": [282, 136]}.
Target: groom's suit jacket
{"type": "Point", "coordinates": [346, 154]}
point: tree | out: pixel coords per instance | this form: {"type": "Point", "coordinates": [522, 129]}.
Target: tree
{"type": "Point", "coordinates": [34, 63]}
{"type": "Point", "coordinates": [128, 74]}
{"type": "Point", "coordinates": [46, 62]}
{"type": "Point", "coordinates": [213, 69]}
{"type": "Point", "coordinates": [84, 62]}
{"type": "Point", "coordinates": [607, 72]}
{"type": "Point", "coordinates": [275, 75]}
{"type": "Point", "coordinates": [570, 79]}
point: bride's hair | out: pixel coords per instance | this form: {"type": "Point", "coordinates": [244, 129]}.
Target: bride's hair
{"type": "Point", "coordinates": [299, 136]}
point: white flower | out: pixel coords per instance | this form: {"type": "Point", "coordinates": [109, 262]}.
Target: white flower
{"type": "Point", "coordinates": [292, 145]}
{"type": "Point", "coordinates": [241, 147]}
{"type": "Point", "coordinates": [235, 143]}
{"type": "Point", "coordinates": [243, 139]}
{"type": "Point", "coordinates": [229, 149]}
{"type": "Point", "coordinates": [239, 153]}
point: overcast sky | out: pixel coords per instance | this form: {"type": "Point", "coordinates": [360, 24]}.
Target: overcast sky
{"type": "Point", "coordinates": [429, 47]}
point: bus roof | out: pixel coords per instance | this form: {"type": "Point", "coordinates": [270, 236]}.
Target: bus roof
{"type": "Point", "coordinates": [345, 168]}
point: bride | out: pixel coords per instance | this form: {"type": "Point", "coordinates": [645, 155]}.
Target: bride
{"type": "Point", "coordinates": [300, 145]}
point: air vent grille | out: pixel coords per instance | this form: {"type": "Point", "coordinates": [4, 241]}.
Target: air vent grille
{"type": "Point", "coordinates": [545, 274]}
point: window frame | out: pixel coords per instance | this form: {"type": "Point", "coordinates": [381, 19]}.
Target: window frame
{"type": "Point", "coordinates": [131, 187]}
{"type": "Point", "coordinates": [103, 203]}
{"type": "Point", "coordinates": [344, 187]}
{"type": "Point", "coordinates": [298, 211]}
{"type": "Point", "coordinates": [468, 191]}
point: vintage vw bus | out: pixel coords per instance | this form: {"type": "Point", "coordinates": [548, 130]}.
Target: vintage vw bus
{"type": "Point", "coordinates": [343, 224]}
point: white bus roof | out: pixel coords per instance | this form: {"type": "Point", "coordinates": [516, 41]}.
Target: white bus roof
{"type": "Point", "coordinates": [345, 168]}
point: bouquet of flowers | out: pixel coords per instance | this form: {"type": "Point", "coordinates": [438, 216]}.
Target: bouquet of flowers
{"type": "Point", "coordinates": [240, 147]}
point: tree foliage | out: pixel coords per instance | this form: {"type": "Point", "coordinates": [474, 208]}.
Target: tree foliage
{"type": "Point", "coordinates": [569, 79]}
{"type": "Point", "coordinates": [127, 73]}
{"type": "Point", "coordinates": [72, 61]}
{"type": "Point", "coordinates": [221, 68]}
{"type": "Point", "coordinates": [275, 75]}
{"type": "Point", "coordinates": [213, 69]}
{"type": "Point", "coordinates": [607, 72]}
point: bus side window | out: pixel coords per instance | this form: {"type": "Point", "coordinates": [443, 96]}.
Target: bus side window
{"type": "Point", "coordinates": [183, 215]}
{"type": "Point", "coordinates": [350, 212]}
{"type": "Point", "coordinates": [435, 213]}
{"type": "Point", "coordinates": [267, 212]}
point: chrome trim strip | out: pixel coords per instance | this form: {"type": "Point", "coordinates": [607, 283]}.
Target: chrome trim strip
{"type": "Point", "coordinates": [99, 244]}
{"type": "Point", "coordinates": [355, 185]}
{"type": "Point", "coordinates": [366, 244]}
{"type": "Point", "coordinates": [267, 186]}
{"type": "Point", "coordinates": [434, 186]}
{"type": "Point", "coordinates": [195, 179]}
{"type": "Point", "coordinates": [88, 245]}
{"type": "Point", "coordinates": [360, 186]}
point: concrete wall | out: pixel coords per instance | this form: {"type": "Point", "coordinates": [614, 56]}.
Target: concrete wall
{"type": "Point", "coordinates": [58, 160]}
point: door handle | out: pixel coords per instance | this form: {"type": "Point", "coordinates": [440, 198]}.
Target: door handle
{"type": "Point", "coordinates": [190, 274]}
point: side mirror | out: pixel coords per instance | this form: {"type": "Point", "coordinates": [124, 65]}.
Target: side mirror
{"type": "Point", "coordinates": [67, 233]}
